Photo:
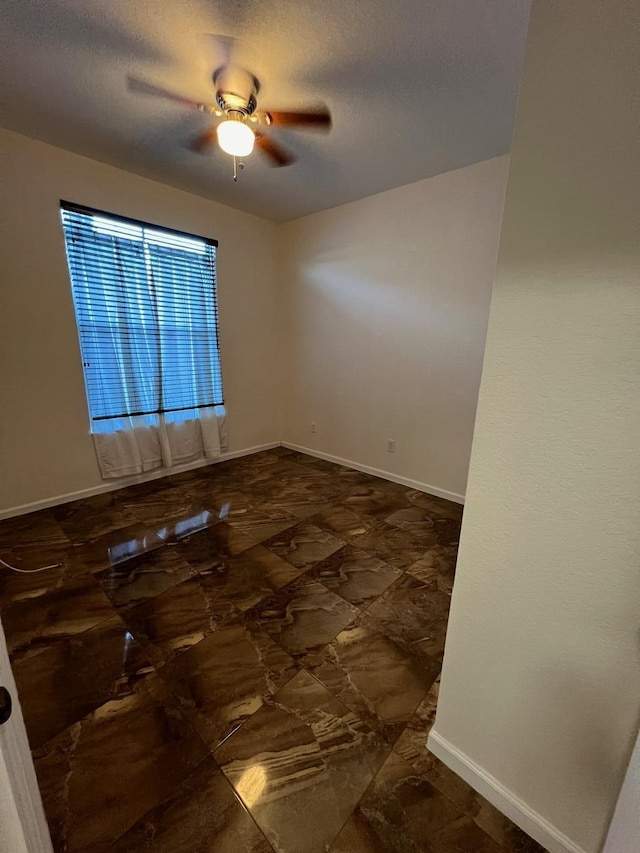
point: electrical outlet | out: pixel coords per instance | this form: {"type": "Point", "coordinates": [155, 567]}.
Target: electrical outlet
{"type": "Point", "coordinates": [314, 426]}
{"type": "Point", "coordinates": [391, 445]}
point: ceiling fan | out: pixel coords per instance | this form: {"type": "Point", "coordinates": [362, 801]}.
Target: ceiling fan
{"type": "Point", "coordinates": [242, 126]}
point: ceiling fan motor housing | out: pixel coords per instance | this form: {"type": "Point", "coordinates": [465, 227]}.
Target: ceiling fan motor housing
{"type": "Point", "coordinates": [236, 89]}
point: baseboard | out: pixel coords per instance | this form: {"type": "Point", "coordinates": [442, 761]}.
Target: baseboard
{"type": "Point", "coordinates": [499, 796]}
{"type": "Point", "coordinates": [378, 472]}
{"type": "Point", "coordinates": [123, 482]}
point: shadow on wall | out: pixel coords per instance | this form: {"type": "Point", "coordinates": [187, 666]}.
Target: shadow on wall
{"type": "Point", "coordinates": [583, 722]}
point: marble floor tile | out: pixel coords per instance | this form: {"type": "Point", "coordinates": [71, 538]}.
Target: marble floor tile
{"type": "Point", "coordinates": [414, 614]}
{"type": "Point", "coordinates": [209, 548]}
{"type": "Point", "coordinates": [40, 527]}
{"type": "Point", "coordinates": [439, 775]}
{"type": "Point", "coordinates": [249, 577]}
{"type": "Point", "coordinates": [501, 829]}
{"type": "Point", "coordinates": [205, 482]}
{"type": "Point", "coordinates": [254, 475]}
{"type": "Point", "coordinates": [435, 506]}
{"type": "Point", "coordinates": [193, 519]}
{"type": "Point", "coordinates": [35, 555]}
{"type": "Point", "coordinates": [331, 468]}
{"type": "Point", "coordinates": [227, 502]}
{"type": "Point", "coordinates": [303, 616]}
{"type": "Point", "coordinates": [285, 612]}
{"type": "Point", "coordinates": [67, 681]}
{"type": "Point", "coordinates": [359, 836]}
{"type": "Point", "coordinates": [327, 489]}
{"type": "Point", "coordinates": [291, 496]}
{"type": "Point", "coordinates": [412, 743]}
{"type": "Point", "coordinates": [377, 501]}
{"type": "Point", "coordinates": [311, 469]}
{"type": "Point", "coordinates": [355, 575]}
{"type": "Point", "coordinates": [143, 577]}
{"type": "Point", "coordinates": [91, 799]}
{"type": "Point", "coordinates": [343, 522]}
{"type": "Point", "coordinates": [261, 524]}
{"type": "Point", "coordinates": [281, 451]}
{"type": "Point", "coordinates": [312, 461]}
{"type": "Point", "coordinates": [115, 547]}
{"type": "Point", "coordinates": [429, 520]}
{"type": "Point", "coordinates": [474, 806]}
{"type": "Point", "coordinates": [31, 541]}
{"type": "Point", "coordinates": [21, 586]}
{"type": "Point", "coordinates": [304, 545]}
{"type": "Point", "coordinates": [436, 568]}
{"type": "Point", "coordinates": [46, 616]}
{"type": "Point", "coordinates": [447, 532]}
{"type": "Point", "coordinates": [415, 521]}
{"type": "Point", "coordinates": [155, 506]}
{"type": "Point", "coordinates": [225, 678]}
{"type": "Point", "coordinates": [301, 764]}
{"type": "Point", "coordinates": [202, 815]}
{"type": "Point", "coordinates": [355, 480]}
{"type": "Point", "coordinates": [175, 620]}
{"type": "Point", "coordinates": [299, 458]}
{"type": "Point", "coordinates": [89, 518]}
{"type": "Point", "coordinates": [379, 679]}
{"type": "Point", "coordinates": [282, 461]}
{"type": "Point", "coordinates": [402, 812]}
{"type": "Point", "coordinates": [184, 479]}
{"type": "Point", "coordinates": [265, 458]}
{"type": "Point", "coordinates": [396, 547]}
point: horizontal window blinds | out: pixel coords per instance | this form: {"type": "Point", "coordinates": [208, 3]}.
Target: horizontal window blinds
{"type": "Point", "coordinates": [147, 314]}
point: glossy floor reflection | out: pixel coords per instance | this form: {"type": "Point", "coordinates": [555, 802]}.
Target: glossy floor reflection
{"type": "Point", "coordinates": [242, 659]}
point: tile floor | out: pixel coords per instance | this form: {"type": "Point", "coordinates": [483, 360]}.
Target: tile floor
{"type": "Point", "coordinates": [242, 659]}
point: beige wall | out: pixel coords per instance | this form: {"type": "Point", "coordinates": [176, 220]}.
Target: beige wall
{"type": "Point", "coordinates": [386, 302]}
{"type": "Point", "coordinates": [45, 447]}
{"type": "Point", "coordinates": [624, 831]}
{"type": "Point", "coordinates": [541, 679]}
{"type": "Point", "coordinates": [376, 331]}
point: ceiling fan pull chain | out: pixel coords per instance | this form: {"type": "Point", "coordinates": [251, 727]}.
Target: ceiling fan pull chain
{"type": "Point", "coordinates": [238, 164]}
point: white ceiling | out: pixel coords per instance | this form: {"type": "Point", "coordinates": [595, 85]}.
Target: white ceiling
{"type": "Point", "coordinates": [416, 88]}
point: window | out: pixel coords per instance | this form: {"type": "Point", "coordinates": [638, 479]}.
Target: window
{"type": "Point", "coordinates": [147, 315]}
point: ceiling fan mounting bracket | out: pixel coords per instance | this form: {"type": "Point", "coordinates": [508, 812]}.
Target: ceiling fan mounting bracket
{"type": "Point", "coordinates": [228, 101]}
{"type": "Point", "coordinates": [236, 89]}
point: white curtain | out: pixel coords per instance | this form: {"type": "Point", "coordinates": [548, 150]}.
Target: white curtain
{"type": "Point", "coordinates": [127, 446]}
{"type": "Point", "coordinates": [147, 318]}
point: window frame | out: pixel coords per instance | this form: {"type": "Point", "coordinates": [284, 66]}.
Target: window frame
{"type": "Point", "coordinates": [73, 207]}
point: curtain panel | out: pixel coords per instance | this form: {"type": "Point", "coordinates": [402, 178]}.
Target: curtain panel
{"type": "Point", "coordinates": [146, 309]}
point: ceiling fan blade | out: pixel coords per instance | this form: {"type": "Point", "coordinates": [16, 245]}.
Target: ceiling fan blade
{"type": "Point", "coordinates": [319, 119]}
{"type": "Point", "coordinates": [140, 87]}
{"type": "Point", "coordinates": [201, 143]}
{"type": "Point", "coordinates": [278, 155]}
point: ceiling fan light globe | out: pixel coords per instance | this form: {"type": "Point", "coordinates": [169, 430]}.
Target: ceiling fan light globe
{"type": "Point", "coordinates": [235, 138]}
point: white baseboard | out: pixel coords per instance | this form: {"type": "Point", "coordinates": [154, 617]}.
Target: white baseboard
{"type": "Point", "coordinates": [377, 472]}
{"type": "Point", "coordinates": [499, 796]}
{"type": "Point", "coordinates": [123, 482]}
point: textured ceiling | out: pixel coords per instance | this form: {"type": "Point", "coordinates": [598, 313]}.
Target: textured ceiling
{"type": "Point", "coordinates": [416, 88]}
